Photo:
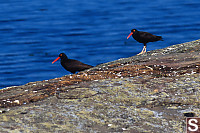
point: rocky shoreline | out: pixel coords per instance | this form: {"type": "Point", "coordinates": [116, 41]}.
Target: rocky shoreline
{"type": "Point", "coordinates": [153, 92]}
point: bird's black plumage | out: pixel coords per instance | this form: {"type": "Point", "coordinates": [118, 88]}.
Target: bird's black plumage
{"type": "Point", "coordinates": [72, 65]}
{"type": "Point", "coordinates": [144, 37]}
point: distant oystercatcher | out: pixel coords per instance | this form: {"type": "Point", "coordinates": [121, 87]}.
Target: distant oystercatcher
{"type": "Point", "coordinates": [144, 37]}
{"type": "Point", "coordinates": [71, 65]}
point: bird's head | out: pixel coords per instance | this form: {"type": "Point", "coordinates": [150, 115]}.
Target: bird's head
{"type": "Point", "coordinates": [132, 32]}
{"type": "Point", "coordinates": [61, 56]}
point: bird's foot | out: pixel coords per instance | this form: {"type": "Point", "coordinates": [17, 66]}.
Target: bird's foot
{"type": "Point", "coordinates": [141, 52]}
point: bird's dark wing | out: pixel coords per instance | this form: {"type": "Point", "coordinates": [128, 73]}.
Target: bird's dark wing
{"type": "Point", "coordinates": [83, 66]}
{"type": "Point", "coordinates": [76, 65]}
{"type": "Point", "coordinates": [148, 37]}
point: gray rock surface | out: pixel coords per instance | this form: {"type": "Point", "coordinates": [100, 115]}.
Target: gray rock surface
{"type": "Point", "coordinates": [146, 93]}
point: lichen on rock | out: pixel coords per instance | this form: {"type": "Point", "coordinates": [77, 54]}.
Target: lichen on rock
{"type": "Point", "coordinates": [153, 92]}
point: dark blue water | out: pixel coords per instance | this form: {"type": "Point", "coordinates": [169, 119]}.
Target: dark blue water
{"type": "Point", "coordinates": [33, 33]}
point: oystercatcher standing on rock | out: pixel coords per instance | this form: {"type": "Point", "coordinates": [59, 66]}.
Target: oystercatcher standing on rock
{"type": "Point", "coordinates": [71, 65]}
{"type": "Point", "coordinates": [144, 37]}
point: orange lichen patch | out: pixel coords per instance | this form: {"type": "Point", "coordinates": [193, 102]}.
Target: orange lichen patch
{"type": "Point", "coordinates": [156, 90]}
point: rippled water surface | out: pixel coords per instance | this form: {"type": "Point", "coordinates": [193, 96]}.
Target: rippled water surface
{"type": "Point", "coordinates": [33, 33]}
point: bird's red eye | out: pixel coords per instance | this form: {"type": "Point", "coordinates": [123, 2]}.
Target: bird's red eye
{"type": "Point", "coordinates": [133, 30]}
{"type": "Point", "coordinates": [60, 54]}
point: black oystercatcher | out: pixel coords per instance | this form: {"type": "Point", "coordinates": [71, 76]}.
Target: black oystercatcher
{"type": "Point", "coordinates": [71, 65]}
{"type": "Point", "coordinates": [144, 37]}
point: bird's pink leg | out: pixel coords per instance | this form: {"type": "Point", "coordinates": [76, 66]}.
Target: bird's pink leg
{"type": "Point", "coordinates": [143, 50]}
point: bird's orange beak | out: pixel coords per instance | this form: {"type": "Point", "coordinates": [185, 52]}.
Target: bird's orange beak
{"type": "Point", "coordinates": [129, 35]}
{"type": "Point", "coordinates": [56, 60]}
